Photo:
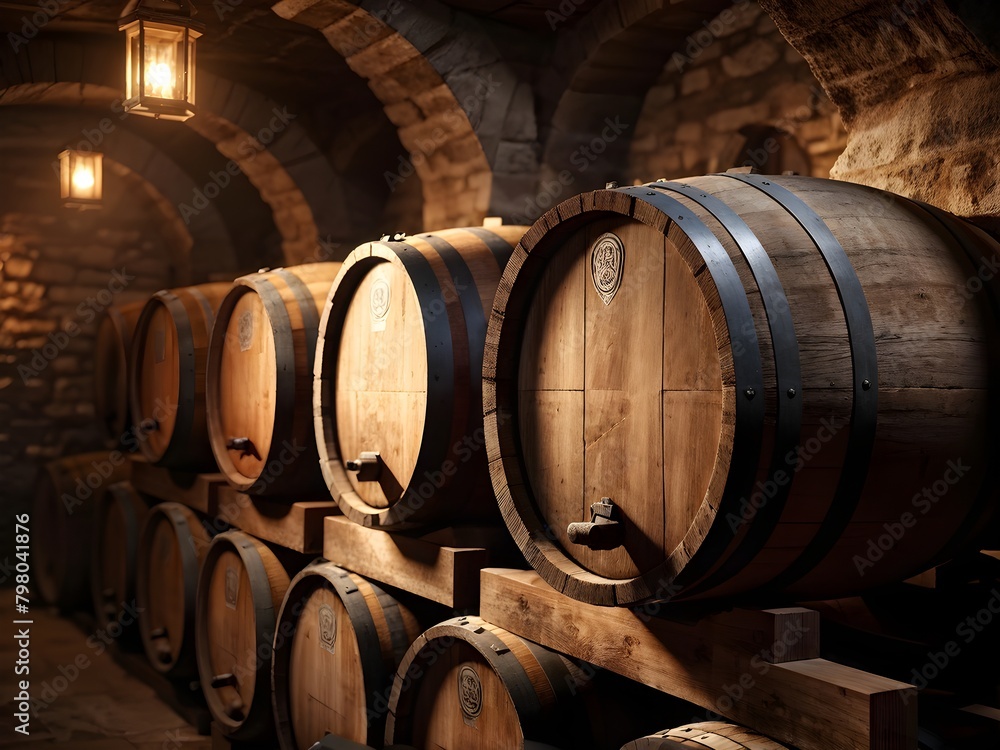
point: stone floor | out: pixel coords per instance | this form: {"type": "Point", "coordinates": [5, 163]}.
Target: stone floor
{"type": "Point", "coordinates": [91, 702]}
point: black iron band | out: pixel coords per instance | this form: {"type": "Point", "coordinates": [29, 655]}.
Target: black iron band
{"type": "Point", "coordinates": [864, 362]}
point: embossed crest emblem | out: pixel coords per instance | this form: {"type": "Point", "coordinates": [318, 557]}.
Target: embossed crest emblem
{"type": "Point", "coordinates": [607, 264]}
{"type": "Point", "coordinates": [327, 628]}
{"type": "Point", "coordinates": [379, 301]}
{"type": "Point", "coordinates": [245, 330]}
{"type": "Point", "coordinates": [232, 587]}
{"type": "Point", "coordinates": [470, 692]}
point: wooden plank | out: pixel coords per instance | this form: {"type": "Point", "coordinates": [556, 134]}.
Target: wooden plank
{"type": "Point", "coordinates": [297, 526]}
{"type": "Point", "coordinates": [197, 491]}
{"type": "Point", "coordinates": [444, 570]}
{"type": "Point", "coordinates": [743, 664]}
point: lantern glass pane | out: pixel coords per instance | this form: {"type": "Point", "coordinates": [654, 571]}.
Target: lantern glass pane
{"type": "Point", "coordinates": [132, 60]}
{"type": "Point", "coordinates": [163, 62]}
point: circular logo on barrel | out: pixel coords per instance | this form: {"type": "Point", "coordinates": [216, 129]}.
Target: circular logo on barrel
{"type": "Point", "coordinates": [379, 299]}
{"type": "Point", "coordinates": [607, 263]}
{"type": "Point", "coordinates": [470, 692]}
{"type": "Point", "coordinates": [232, 587]}
{"type": "Point", "coordinates": [327, 628]}
{"type": "Point", "coordinates": [245, 330]}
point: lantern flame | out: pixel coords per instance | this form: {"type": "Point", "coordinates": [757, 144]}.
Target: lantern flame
{"type": "Point", "coordinates": [83, 177]}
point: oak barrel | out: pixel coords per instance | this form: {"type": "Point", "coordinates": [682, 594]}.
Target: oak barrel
{"type": "Point", "coordinates": [172, 544]}
{"type": "Point", "coordinates": [62, 515]}
{"type": "Point", "coordinates": [736, 383]}
{"type": "Point", "coordinates": [398, 391]}
{"type": "Point", "coordinates": [114, 340]}
{"type": "Point", "coordinates": [340, 639]}
{"type": "Point", "coordinates": [118, 519]}
{"type": "Point", "coordinates": [468, 685]}
{"type": "Point", "coordinates": [240, 589]}
{"type": "Point", "coordinates": [167, 375]}
{"type": "Point", "coordinates": [707, 735]}
{"type": "Point", "coordinates": [260, 380]}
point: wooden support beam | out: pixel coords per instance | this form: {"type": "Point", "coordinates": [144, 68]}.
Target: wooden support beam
{"type": "Point", "coordinates": [442, 567]}
{"type": "Point", "coordinates": [197, 491]}
{"type": "Point", "coordinates": [758, 668]}
{"type": "Point", "coordinates": [297, 526]}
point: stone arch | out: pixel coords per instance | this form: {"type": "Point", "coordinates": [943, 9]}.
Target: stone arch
{"type": "Point", "coordinates": [593, 93]}
{"type": "Point", "coordinates": [232, 117]}
{"type": "Point", "coordinates": [164, 179]}
{"type": "Point", "coordinates": [916, 88]}
{"type": "Point", "coordinates": [442, 85]}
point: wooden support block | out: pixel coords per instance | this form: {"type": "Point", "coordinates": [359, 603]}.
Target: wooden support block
{"type": "Point", "coordinates": [986, 711]}
{"type": "Point", "coordinates": [759, 668]}
{"type": "Point", "coordinates": [443, 567]}
{"type": "Point", "coordinates": [927, 579]}
{"type": "Point", "coordinates": [221, 742]}
{"type": "Point", "coordinates": [197, 491]}
{"type": "Point", "coordinates": [297, 526]}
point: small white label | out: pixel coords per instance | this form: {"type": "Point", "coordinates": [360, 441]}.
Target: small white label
{"type": "Point", "coordinates": [379, 302]}
{"type": "Point", "coordinates": [327, 628]}
{"type": "Point", "coordinates": [232, 587]}
{"type": "Point", "coordinates": [245, 330]}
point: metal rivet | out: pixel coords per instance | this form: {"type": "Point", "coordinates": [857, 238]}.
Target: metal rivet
{"type": "Point", "coordinates": [650, 193]}
{"type": "Point", "coordinates": [750, 393]}
{"type": "Point", "coordinates": [791, 393]}
{"type": "Point", "coordinates": [611, 185]}
{"type": "Point", "coordinates": [866, 385]}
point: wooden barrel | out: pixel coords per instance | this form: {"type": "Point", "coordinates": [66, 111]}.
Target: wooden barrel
{"type": "Point", "coordinates": [708, 735]}
{"type": "Point", "coordinates": [398, 390]}
{"type": "Point", "coordinates": [340, 639]}
{"type": "Point", "coordinates": [62, 517]}
{"type": "Point", "coordinates": [735, 383]}
{"type": "Point", "coordinates": [260, 380]}
{"type": "Point", "coordinates": [172, 545]}
{"type": "Point", "coordinates": [118, 519]}
{"type": "Point", "coordinates": [469, 685]}
{"type": "Point", "coordinates": [240, 589]}
{"type": "Point", "coordinates": [114, 340]}
{"type": "Point", "coordinates": [167, 376]}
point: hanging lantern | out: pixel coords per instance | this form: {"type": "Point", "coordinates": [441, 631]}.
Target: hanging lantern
{"type": "Point", "coordinates": [81, 178]}
{"type": "Point", "coordinates": [160, 57]}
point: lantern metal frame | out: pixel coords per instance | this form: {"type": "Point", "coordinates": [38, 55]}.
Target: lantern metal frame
{"type": "Point", "coordinates": [142, 19]}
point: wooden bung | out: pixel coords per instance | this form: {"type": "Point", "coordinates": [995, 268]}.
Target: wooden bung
{"type": "Point", "coordinates": [469, 685]}
{"type": "Point", "coordinates": [340, 638]}
{"type": "Point", "coordinates": [172, 545]}
{"type": "Point", "coordinates": [111, 356]}
{"type": "Point", "coordinates": [743, 385]}
{"type": "Point", "coordinates": [118, 519]}
{"type": "Point", "coordinates": [240, 589]}
{"type": "Point", "coordinates": [706, 735]}
{"type": "Point", "coordinates": [167, 376]}
{"type": "Point", "coordinates": [67, 492]}
{"type": "Point", "coordinates": [398, 391]}
{"type": "Point", "coordinates": [260, 374]}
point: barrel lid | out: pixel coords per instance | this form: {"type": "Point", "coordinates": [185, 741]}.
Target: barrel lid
{"type": "Point", "coordinates": [243, 408]}
{"type": "Point", "coordinates": [158, 386]}
{"type": "Point", "coordinates": [381, 379]}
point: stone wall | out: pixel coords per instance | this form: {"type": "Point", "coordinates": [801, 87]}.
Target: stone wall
{"type": "Point", "coordinates": [59, 269]}
{"type": "Point", "coordinates": [737, 94]}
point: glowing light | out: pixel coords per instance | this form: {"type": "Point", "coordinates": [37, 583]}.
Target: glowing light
{"type": "Point", "coordinates": [160, 73]}
{"type": "Point", "coordinates": [83, 177]}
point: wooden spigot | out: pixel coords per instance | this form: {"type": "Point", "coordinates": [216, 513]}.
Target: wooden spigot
{"type": "Point", "coordinates": [603, 532]}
